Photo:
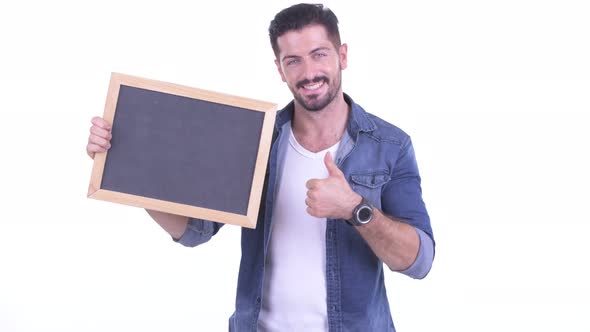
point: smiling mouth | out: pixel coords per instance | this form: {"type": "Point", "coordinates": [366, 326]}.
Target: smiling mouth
{"type": "Point", "coordinates": [313, 86]}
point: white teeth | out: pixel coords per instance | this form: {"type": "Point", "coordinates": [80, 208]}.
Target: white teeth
{"type": "Point", "coordinates": [314, 86]}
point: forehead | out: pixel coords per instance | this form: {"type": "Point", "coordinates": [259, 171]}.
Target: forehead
{"type": "Point", "coordinates": [300, 42]}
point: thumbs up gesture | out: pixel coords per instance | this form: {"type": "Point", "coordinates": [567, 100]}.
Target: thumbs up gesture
{"type": "Point", "coordinates": [331, 197]}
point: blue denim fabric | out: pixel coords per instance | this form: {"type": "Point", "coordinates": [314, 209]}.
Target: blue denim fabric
{"type": "Point", "coordinates": [378, 160]}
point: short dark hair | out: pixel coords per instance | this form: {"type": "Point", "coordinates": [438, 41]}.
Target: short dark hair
{"type": "Point", "coordinates": [299, 16]}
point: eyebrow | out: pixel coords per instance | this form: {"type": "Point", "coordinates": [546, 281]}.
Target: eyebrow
{"type": "Point", "coordinates": [311, 52]}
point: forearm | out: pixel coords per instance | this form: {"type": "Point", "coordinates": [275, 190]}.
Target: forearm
{"type": "Point", "coordinates": [175, 225]}
{"type": "Point", "coordinates": [394, 242]}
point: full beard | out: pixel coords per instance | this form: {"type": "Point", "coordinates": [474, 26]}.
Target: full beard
{"type": "Point", "coordinates": [315, 103]}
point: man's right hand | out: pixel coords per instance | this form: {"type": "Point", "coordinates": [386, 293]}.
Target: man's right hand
{"type": "Point", "coordinates": [99, 140]}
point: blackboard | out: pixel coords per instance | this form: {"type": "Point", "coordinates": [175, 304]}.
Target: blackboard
{"type": "Point", "coordinates": [184, 150]}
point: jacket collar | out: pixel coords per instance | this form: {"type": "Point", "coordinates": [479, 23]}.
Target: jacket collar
{"type": "Point", "coordinates": [358, 120]}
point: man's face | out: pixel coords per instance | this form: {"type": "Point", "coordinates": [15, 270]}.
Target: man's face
{"type": "Point", "coordinates": [311, 66]}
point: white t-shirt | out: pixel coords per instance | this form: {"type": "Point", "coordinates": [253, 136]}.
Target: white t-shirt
{"type": "Point", "coordinates": [294, 290]}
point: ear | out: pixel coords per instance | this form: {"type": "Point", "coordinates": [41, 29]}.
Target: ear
{"type": "Point", "coordinates": [280, 70]}
{"type": "Point", "coordinates": [343, 54]}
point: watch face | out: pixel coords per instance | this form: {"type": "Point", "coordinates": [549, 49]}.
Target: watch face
{"type": "Point", "coordinates": [365, 214]}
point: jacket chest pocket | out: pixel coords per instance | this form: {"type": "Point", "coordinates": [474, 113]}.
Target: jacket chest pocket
{"type": "Point", "coordinates": [369, 185]}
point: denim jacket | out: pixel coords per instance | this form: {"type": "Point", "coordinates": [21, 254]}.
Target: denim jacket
{"type": "Point", "coordinates": [378, 160]}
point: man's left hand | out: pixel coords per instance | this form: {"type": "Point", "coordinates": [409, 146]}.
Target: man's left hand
{"type": "Point", "coordinates": [331, 197]}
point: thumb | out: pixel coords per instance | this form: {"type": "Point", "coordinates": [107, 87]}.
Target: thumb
{"type": "Point", "coordinates": [333, 169]}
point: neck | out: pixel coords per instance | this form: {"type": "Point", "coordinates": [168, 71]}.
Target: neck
{"type": "Point", "coordinates": [319, 130]}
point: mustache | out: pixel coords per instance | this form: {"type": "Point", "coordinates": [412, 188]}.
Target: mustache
{"type": "Point", "coordinates": [316, 79]}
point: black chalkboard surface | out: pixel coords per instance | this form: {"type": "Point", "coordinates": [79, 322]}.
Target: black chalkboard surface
{"type": "Point", "coordinates": [183, 150]}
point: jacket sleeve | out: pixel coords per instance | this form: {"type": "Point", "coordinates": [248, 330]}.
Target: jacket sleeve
{"type": "Point", "coordinates": [198, 231]}
{"type": "Point", "coordinates": [402, 199]}
{"type": "Point", "coordinates": [421, 266]}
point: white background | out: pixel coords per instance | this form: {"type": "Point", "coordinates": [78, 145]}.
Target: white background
{"type": "Point", "coordinates": [495, 95]}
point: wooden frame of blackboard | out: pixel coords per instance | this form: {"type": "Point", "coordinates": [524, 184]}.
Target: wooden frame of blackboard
{"type": "Point", "coordinates": [247, 219]}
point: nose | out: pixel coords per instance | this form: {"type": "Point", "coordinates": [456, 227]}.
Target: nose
{"type": "Point", "coordinates": [310, 69]}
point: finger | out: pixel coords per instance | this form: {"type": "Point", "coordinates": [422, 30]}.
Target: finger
{"type": "Point", "coordinates": [93, 148]}
{"type": "Point", "coordinates": [93, 139]}
{"type": "Point", "coordinates": [310, 184]}
{"type": "Point", "coordinates": [98, 121]}
{"type": "Point", "coordinates": [100, 132]}
{"type": "Point", "coordinates": [333, 169]}
{"type": "Point", "coordinates": [312, 194]}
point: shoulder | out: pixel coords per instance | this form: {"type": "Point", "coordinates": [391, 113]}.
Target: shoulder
{"type": "Point", "coordinates": [385, 131]}
{"type": "Point", "coordinates": [374, 127]}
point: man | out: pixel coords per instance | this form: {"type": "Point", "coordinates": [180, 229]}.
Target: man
{"type": "Point", "coordinates": [342, 197]}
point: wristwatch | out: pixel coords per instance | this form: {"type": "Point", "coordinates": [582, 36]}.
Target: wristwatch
{"type": "Point", "coordinates": [362, 214]}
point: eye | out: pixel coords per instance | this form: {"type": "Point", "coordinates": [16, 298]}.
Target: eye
{"type": "Point", "coordinates": [293, 61]}
{"type": "Point", "coordinates": [319, 55]}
